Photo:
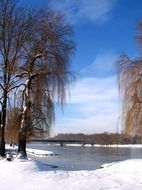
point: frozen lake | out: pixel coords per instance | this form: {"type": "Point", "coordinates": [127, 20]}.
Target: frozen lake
{"type": "Point", "coordinates": [84, 158]}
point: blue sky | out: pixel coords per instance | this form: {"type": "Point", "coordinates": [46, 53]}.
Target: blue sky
{"type": "Point", "coordinates": [103, 29]}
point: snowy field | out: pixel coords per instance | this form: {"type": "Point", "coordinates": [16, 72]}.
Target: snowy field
{"type": "Point", "coordinates": [32, 175]}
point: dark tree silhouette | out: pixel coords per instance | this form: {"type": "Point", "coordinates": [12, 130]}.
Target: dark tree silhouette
{"type": "Point", "coordinates": [14, 28]}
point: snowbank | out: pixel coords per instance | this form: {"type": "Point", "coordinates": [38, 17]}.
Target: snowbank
{"type": "Point", "coordinates": [116, 145]}
{"type": "Point", "coordinates": [40, 152]}
{"type": "Point", "coordinates": [29, 175]}
{"type": "Point", "coordinates": [36, 152]}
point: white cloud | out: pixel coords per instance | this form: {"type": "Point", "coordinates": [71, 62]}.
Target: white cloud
{"type": "Point", "coordinates": [102, 66]}
{"type": "Point", "coordinates": [94, 103]}
{"type": "Point", "coordinates": [93, 10]}
{"type": "Point", "coordinates": [93, 89]}
{"type": "Point", "coordinates": [93, 107]}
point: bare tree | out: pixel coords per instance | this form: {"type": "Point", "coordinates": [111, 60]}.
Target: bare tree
{"type": "Point", "coordinates": [35, 51]}
{"type": "Point", "coordinates": [14, 29]}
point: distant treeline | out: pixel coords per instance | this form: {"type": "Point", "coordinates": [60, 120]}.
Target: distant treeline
{"type": "Point", "coordinates": [103, 138]}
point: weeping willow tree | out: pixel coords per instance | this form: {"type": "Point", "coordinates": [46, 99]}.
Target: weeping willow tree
{"type": "Point", "coordinates": [13, 125]}
{"type": "Point", "coordinates": [130, 85]}
{"type": "Point", "coordinates": [44, 72]}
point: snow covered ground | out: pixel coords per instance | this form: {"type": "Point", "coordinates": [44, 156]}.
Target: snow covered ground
{"type": "Point", "coordinates": [31, 175]}
{"type": "Point", "coordinates": [118, 145]}
{"type": "Point", "coordinates": [40, 152]}
{"type": "Point", "coordinates": [33, 151]}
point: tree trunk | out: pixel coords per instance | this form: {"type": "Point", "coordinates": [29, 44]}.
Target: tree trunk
{"type": "Point", "coordinates": [25, 123]}
{"type": "Point", "coordinates": [22, 144]}
{"type": "Point", "coordinates": [3, 122]}
{"type": "Point", "coordinates": [2, 143]}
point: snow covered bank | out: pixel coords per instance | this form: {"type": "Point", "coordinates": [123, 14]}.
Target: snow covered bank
{"type": "Point", "coordinates": [109, 145]}
{"type": "Point", "coordinates": [118, 145]}
{"type": "Point", "coordinates": [29, 175]}
{"type": "Point", "coordinates": [35, 152]}
{"type": "Point", "coordinates": [40, 152]}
